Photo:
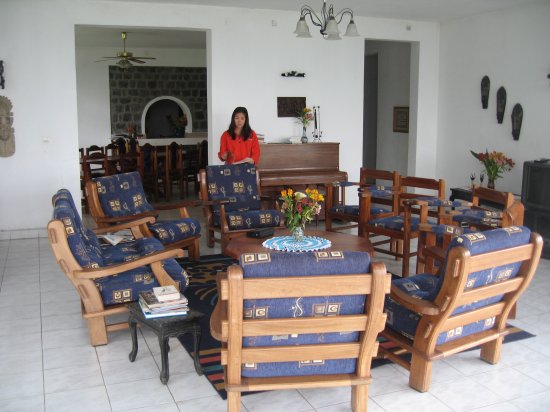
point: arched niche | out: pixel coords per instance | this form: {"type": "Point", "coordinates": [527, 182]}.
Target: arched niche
{"type": "Point", "coordinates": [184, 108]}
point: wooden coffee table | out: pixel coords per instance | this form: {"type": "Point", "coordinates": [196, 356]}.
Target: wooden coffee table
{"type": "Point", "coordinates": [340, 241]}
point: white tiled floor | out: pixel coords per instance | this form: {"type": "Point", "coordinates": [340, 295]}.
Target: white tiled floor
{"type": "Point", "coordinates": [47, 363]}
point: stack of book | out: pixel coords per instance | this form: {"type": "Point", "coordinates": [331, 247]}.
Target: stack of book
{"type": "Point", "coordinates": [163, 301]}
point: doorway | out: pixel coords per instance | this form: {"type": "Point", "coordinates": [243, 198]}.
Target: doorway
{"type": "Point", "coordinates": [387, 84]}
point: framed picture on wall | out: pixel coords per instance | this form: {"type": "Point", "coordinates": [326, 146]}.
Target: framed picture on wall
{"type": "Point", "coordinates": [401, 119]}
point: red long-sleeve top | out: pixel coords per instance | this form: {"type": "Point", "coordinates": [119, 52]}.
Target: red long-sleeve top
{"type": "Point", "coordinates": [239, 149]}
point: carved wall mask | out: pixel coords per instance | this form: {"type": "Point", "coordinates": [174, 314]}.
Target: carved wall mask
{"type": "Point", "coordinates": [7, 134]}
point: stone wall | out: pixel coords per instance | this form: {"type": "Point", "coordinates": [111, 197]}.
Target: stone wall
{"type": "Point", "coordinates": [131, 90]}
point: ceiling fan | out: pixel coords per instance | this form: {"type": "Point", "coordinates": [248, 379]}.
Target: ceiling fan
{"type": "Point", "coordinates": [125, 58]}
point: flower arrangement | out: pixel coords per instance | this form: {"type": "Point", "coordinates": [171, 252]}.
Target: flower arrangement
{"type": "Point", "coordinates": [495, 163]}
{"type": "Point", "coordinates": [305, 116]}
{"type": "Point", "coordinates": [178, 122]}
{"type": "Point", "coordinates": [299, 207]}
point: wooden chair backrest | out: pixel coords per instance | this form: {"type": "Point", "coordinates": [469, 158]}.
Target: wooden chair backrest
{"type": "Point", "coordinates": [95, 149]}
{"type": "Point", "coordinates": [235, 289]}
{"type": "Point", "coordinates": [506, 199]}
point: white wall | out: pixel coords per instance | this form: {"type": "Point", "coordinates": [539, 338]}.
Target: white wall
{"type": "Point", "coordinates": [92, 81]}
{"type": "Point", "coordinates": [246, 54]}
{"type": "Point", "coordinates": [512, 48]}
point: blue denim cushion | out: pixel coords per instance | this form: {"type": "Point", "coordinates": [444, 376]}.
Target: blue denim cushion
{"type": "Point", "coordinates": [122, 195]}
{"type": "Point", "coordinates": [126, 286]}
{"type": "Point", "coordinates": [395, 223]}
{"type": "Point", "coordinates": [175, 230]}
{"type": "Point", "coordinates": [250, 219]}
{"type": "Point", "coordinates": [404, 321]}
{"type": "Point", "coordinates": [354, 210]}
{"type": "Point", "coordinates": [237, 183]}
{"type": "Point", "coordinates": [83, 243]}
{"type": "Point", "coordinates": [304, 264]}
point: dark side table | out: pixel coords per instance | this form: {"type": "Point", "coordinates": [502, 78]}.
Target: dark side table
{"type": "Point", "coordinates": [165, 328]}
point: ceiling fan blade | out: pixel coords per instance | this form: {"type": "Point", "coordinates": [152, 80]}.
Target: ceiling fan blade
{"type": "Point", "coordinates": [135, 60]}
{"type": "Point", "coordinates": [104, 59]}
{"type": "Point", "coordinates": [145, 58]}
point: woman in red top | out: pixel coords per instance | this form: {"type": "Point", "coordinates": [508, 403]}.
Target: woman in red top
{"type": "Point", "coordinates": [239, 143]}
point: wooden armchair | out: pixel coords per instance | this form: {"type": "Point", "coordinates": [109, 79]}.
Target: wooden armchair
{"type": "Point", "coordinates": [468, 304]}
{"type": "Point", "coordinates": [232, 202]}
{"type": "Point", "coordinates": [107, 277]}
{"type": "Point", "coordinates": [378, 182]}
{"type": "Point", "coordinates": [326, 309]}
{"type": "Point", "coordinates": [504, 211]}
{"type": "Point", "coordinates": [400, 229]}
{"type": "Point", "coordinates": [121, 198]}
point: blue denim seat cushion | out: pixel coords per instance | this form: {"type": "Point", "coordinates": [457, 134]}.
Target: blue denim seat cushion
{"type": "Point", "coordinates": [175, 230]}
{"type": "Point", "coordinates": [85, 247]}
{"type": "Point", "coordinates": [354, 210]}
{"type": "Point", "coordinates": [395, 223]}
{"type": "Point", "coordinates": [126, 286]}
{"type": "Point", "coordinates": [122, 195]}
{"type": "Point", "coordinates": [237, 184]}
{"type": "Point", "coordinates": [304, 264]}
{"type": "Point", "coordinates": [478, 216]}
{"type": "Point", "coordinates": [420, 286]}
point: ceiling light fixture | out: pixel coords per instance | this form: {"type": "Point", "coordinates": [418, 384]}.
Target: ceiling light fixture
{"type": "Point", "coordinates": [327, 21]}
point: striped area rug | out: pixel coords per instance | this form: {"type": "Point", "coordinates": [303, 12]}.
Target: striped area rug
{"type": "Point", "coordinates": [202, 296]}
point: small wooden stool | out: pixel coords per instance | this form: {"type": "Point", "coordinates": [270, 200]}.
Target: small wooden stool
{"type": "Point", "coordinates": [165, 328]}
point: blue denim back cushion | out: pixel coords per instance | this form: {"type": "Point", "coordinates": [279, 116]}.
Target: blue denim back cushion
{"type": "Point", "coordinates": [122, 195]}
{"type": "Point", "coordinates": [83, 242]}
{"type": "Point", "coordinates": [303, 264]}
{"type": "Point", "coordinates": [237, 183]}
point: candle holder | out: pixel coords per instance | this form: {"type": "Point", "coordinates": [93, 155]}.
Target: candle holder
{"type": "Point", "coordinates": [472, 178]}
{"type": "Point", "coordinates": [317, 133]}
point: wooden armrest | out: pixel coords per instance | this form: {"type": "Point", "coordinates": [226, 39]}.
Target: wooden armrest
{"type": "Point", "coordinates": [117, 219]}
{"type": "Point", "coordinates": [417, 305]}
{"type": "Point", "coordinates": [435, 253]}
{"type": "Point", "coordinates": [179, 205]}
{"type": "Point", "coordinates": [219, 314]}
{"type": "Point", "coordinates": [96, 273]}
{"type": "Point", "coordinates": [126, 225]}
{"type": "Point", "coordinates": [214, 202]}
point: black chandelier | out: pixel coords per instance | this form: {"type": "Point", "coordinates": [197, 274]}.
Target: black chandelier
{"type": "Point", "coordinates": [327, 21]}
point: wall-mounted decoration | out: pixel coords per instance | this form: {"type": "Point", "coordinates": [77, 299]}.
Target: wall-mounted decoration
{"type": "Point", "coordinates": [501, 103]}
{"type": "Point", "coordinates": [2, 80]}
{"type": "Point", "coordinates": [401, 119]}
{"type": "Point", "coordinates": [293, 74]}
{"type": "Point", "coordinates": [290, 106]}
{"type": "Point", "coordinates": [7, 135]}
{"type": "Point", "coordinates": [485, 87]}
{"type": "Point", "coordinates": [517, 118]}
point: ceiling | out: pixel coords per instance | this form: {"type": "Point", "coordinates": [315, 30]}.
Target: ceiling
{"type": "Point", "coordinates": [419, 10]}
{"type": "Point", "coordinates": [422, 10]}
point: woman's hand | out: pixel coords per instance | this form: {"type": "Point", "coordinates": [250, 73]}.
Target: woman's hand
{"type": "Point", "coordinates": [245, 160]}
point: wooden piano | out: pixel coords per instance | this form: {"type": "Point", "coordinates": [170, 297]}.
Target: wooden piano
{"type": "Point", "coordinates": [299, 166]}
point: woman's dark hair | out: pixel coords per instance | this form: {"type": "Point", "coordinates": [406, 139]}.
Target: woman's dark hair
{"type": "Point", "coordinates": [245, 133]}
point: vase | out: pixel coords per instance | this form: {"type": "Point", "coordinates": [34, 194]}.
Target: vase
{"type": "Point", "coordinates": [298, 233]}
{"type": "Point", "coordinates": [304, 137]}
{"type": "Point", "coordinates": [491, 183]}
